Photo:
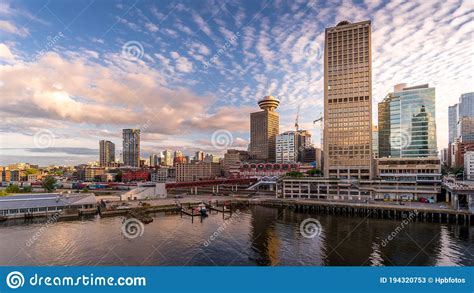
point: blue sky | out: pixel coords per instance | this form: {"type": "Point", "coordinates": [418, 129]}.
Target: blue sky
{"type": "Point", "coordinates": [75, 72]}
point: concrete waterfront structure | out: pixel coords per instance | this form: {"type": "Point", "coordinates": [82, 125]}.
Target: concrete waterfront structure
{"type": "Point", "coordinates": [360, 190]}
{"type": "Point", "coordinates": [106, 153]}
{"type": "Point", "coordinates": [131, 147]}
{"type": "Point", "coordinates": [424, 171]}
{"type": "Point", "coordinates": [264, 126]}
{"type": "Point", "coordinates": [348, 101]}
{"type": "Point", "coordinates": [407, 123]}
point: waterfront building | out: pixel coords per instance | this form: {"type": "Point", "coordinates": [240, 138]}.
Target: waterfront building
{"type": "Point", "coordinates": [362, 190]}
{"type": "Point", "coordinates": [264, 126]}
{"type": "Point", "coordinates": [197, 171]}
{"type": "Point", "coordinates": [167, 158]}
{"type": "Point", "coordinates": [106, 153]}
{"type": "Point", "coordinates": [131, 147]}
{"type": "Point", "coordinates": [286, 147]}
{"type": "Point", "coordinates": [348, 101]}
{"type": "Point", "coordinates": [460, 194]}
{"type": "Point", "coordinates": [424, 171]}
{"type": "Point", "coordinates": [407, 123]}
{"type": "Point", "coordinates": [469, 165]}
{"type": "Point", "coordinates": [22, 206]}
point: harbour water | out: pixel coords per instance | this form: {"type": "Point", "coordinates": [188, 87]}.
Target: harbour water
{"type": "Point", "coordinates": [252, 236]}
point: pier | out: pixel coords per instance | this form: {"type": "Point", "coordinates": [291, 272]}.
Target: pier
{"type": "Point", "coordinates": [372, 210]}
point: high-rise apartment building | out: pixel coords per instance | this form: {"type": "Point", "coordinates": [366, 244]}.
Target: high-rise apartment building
{"type": "Point", "coordinates": [407, 123]}
{"type": "Point", "coordinates": [167, 158]}
{"type": "Point", "coordinates": [348, 101]}
{"type": "Point", "coordinates": [106, 153]}
{"type": "Point", "coordinates": [131, 147]}
{"type": "Point", "coordinates": [264, 126]}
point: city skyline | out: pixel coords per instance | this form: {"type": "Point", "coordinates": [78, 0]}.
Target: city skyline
{"type": "Point", "coordinates": [211, 80]}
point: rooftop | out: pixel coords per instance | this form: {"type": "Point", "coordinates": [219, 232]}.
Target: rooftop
{"type": "Point", "coordinates": [46, 200]}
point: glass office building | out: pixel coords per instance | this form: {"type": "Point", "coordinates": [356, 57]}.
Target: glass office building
{"type": "Point", "coordinates": [407, 123]}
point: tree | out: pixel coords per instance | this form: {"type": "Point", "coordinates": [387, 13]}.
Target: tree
{"type": "Point", "coordinates": [14, 188]}
{"type": "Point", "coordinates": [118, 177]}
{"type": "Point", "coordinates": [49, 183]}
{"type": "Point", "coordinates": [294, 174]}
{"type": "Point", "coordinates": [314, 172]}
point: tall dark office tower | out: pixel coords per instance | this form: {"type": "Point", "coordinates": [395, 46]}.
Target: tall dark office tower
{"type": "Point", "coordinates": [348, 101]}
{"type": "Point", "coordinates": [264, 126]}
{"type": "Point", "coordinates": [131, 147]}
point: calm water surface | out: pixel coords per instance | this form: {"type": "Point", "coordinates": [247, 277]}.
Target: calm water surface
{"type": "Point", "coordinates": [255, 236]}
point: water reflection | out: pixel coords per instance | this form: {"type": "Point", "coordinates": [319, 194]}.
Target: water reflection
{"type": "Point", "coordinates": [257, 236]}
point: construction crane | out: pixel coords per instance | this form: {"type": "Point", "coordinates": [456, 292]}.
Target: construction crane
{"type": "Point", "coordinates": [297, 126]}
{"type": "Point", "coordinates": [317, 120]}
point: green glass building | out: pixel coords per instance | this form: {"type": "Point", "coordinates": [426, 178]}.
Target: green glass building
{"type": "Point", "coordinates": [407, 123]}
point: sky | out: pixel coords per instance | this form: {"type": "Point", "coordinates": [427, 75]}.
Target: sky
{"type": "Point", "coordinates": [189, 73]}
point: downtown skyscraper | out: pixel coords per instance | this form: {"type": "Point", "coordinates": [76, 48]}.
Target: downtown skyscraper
{"type": "Point", "coordinates": [407, 123]}
{"type": "Point", "coordinates": [264, 127]}
{"type": "Point", "coordinates": [131, 147]}
{"type": "Point", "coordinates": [348, 101]}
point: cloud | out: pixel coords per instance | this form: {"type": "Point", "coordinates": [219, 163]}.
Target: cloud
{"type": "Point", "coordinates": [151, 27]}
{"type": "Point", "coordinates": [6, 54]}
{"type": "Point", "coordinates": [9, 27]}
{"type": "Point", "coordinates": [182, 63]}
